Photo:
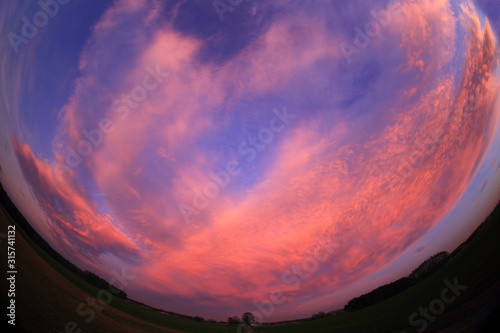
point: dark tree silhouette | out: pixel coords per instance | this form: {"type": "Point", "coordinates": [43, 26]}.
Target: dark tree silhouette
{"type": "Point", "coordinates": [319, 315]}
{"type": "Point", "coordinates": [430, 265]}
{"type": "Point", "coordinates": [386, 291]}
{"type": "Point", "coordinates": [248, 318]}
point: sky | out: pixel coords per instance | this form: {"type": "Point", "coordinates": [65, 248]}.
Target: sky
{"type": "Point", "coordinates": [279, 158]}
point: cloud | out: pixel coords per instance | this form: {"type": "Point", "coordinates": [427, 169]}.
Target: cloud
{"type": "Point", "coordinates": [78, 229]}
{"type": "Point", "coordinates": [372, 160]}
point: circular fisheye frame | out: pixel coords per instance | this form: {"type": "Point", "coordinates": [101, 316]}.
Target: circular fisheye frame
{"type": "Point", "coordinates": [250, 166]}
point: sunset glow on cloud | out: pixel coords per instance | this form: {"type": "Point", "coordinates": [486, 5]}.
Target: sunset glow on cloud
{"type": "Point", "coordinates": [226, 163]}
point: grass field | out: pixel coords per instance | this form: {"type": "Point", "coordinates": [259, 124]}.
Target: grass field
{"type": "Point", "coordinates": [47, 296]}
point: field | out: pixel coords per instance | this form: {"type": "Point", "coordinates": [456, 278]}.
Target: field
{"type": "Point", "coordinates": [47, 297]}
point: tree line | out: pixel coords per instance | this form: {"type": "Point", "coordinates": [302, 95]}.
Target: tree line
{"type": "Point", "coordinates": [85, 275]}
{"type": "Point", "coordinates": [389, 290]}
